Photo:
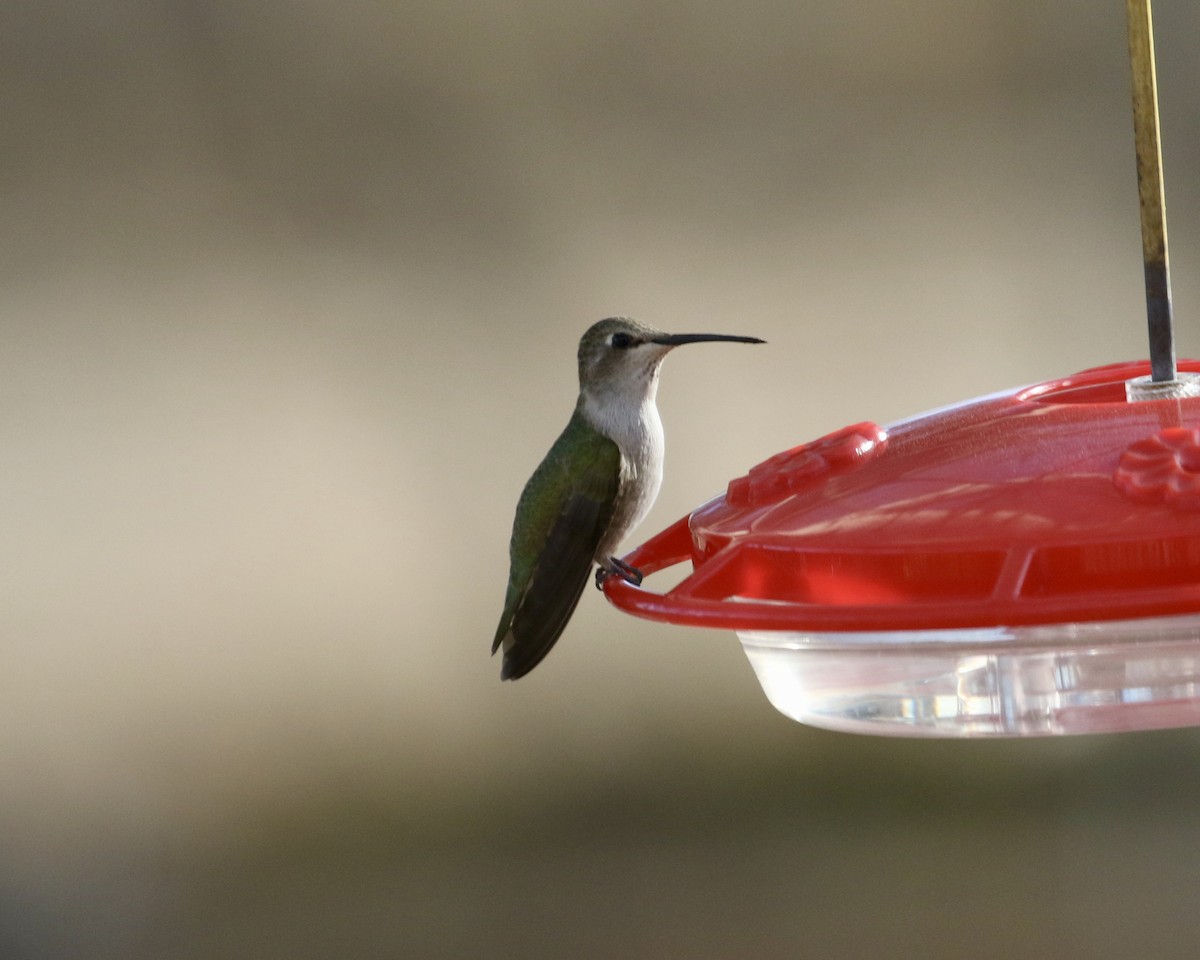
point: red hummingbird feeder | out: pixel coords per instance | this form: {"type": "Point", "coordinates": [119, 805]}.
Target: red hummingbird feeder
{"type": "Point", "coordinates": [1026, 563]}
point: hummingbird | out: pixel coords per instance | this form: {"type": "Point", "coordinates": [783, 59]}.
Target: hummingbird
{"type": "Point", "coordinates": [597, 483]}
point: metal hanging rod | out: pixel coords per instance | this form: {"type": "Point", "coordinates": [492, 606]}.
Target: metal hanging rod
{"type": "Point", "coordinates": [1150, 191]}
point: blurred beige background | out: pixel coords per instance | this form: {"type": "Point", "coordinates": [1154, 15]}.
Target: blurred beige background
{"type": "Point", "coordinates": [290, 299]}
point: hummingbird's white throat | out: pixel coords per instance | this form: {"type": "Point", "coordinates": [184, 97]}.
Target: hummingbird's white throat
{"type": "Point", "coordinates": [621, 402]}
{"type": "Point", "coordinates": [621, 406]}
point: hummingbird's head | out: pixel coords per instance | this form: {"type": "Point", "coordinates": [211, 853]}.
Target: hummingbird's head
{"type": "Point", "coordinates": [620, 355]}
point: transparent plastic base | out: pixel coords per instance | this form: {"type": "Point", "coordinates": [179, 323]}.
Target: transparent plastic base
{"type": "Point", "coordinates": [998, 682]}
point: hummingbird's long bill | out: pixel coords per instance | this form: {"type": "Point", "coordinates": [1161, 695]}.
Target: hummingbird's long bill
{"type": "Point", "coordinates": [676, 339]}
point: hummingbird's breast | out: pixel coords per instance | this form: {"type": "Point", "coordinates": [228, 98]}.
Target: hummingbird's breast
{"type": "Point", "coordinates": [639, 436]}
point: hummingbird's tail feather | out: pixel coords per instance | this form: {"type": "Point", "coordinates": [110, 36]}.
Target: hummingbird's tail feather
{"type": "Point", "coordinates": [536, 630]}
{"type": "Point", "coordinates": [555, 586]}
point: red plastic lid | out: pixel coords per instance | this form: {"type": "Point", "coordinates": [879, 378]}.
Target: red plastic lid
{"type": "Point", "coordinates": [1055, 503]}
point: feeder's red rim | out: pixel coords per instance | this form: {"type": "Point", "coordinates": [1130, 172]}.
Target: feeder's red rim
{"type": "Point", "coordinates": [673, 546]}
{"type": "Point", "coordinates": [719, 594]}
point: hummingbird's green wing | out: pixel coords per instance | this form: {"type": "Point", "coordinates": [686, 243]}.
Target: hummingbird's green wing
{"type": "Point", "coordinates": [561, 517]}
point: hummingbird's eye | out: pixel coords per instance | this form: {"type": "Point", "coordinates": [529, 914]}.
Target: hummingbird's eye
{"type": "Point", "coordinates": [622, 341]}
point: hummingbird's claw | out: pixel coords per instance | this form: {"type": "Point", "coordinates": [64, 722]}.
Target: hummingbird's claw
{"type": "Point", "coordinates": [616, 567]}
{"type": "Point", "coordinates": [628, 573]}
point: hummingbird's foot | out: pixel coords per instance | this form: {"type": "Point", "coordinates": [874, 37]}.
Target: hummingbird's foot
{"type": "Point", "coordinates": [628, 573]}
{"type": "Point", "coordinates": [616, 567]}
